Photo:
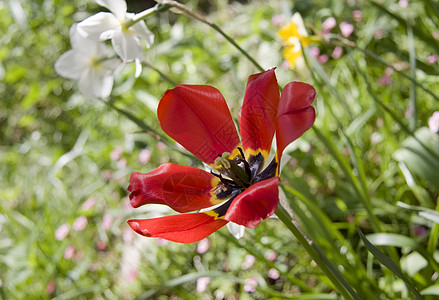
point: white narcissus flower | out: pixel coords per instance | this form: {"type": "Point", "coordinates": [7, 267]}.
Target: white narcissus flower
{"type": "Point", "coordinates": [91, 63]}
{"type": "Point", "coordinates": [126, 38]}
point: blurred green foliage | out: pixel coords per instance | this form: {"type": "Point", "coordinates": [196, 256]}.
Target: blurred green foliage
{"type": "Point", "coordinates": [368, 152]}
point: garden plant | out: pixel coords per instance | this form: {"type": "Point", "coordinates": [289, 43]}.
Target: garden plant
{"type": "Point", "coordinates": [209, 149]}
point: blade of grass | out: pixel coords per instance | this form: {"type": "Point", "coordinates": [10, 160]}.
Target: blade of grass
{"type": "Point", "coordinates": [380, 60]}
{"type": "Point", "coordinates": [331, 232]}
{"type": "Point", "coordinates": [253, 251]}
{"type": "Point", "coordinates": [350, 176]}
{"type": "Point", "coordinates": [325, 265]}
{"type": "Point", "coordinates": [390, 264]}
{"type": "Point", "coordinates": [388, 110]}
{"type": "Point", "coordinates": [198, 17]}
{"type": "Point", "coordinates": [428, 39]}
{"type": "Point", "coordinates": [434, 234]}
{"type": "Point", "coordinates": [413, 104]}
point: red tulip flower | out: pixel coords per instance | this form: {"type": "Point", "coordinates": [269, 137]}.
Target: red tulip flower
{"type": "Point", "coordinates": [243, 185]}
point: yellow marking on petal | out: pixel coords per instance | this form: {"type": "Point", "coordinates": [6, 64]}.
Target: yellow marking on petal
{"type": "Point", "coordinates": [252, 152]}
{"type": "Point", "coordinates": [213, 199]}
{"type": "Point", "coordinates": [213, 214]}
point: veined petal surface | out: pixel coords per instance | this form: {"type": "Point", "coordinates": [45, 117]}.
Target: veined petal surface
{"type": "Point", "coordinates": [198, 118]}
{"type": "Point", "coordinates": [182, 188]}
{"type": "Point", "coordinates": [257, 202]}
{"type": "Point", "coordinates": [185, 228]}
{"type": "Point", "coordinates": [257, 119]}
{"type": "Point", "coordinates": [295, 114]}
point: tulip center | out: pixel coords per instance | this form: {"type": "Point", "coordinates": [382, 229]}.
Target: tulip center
{"type": "Point", "coordinates": [237, 169]}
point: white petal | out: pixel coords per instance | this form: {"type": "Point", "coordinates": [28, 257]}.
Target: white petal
{"type": "Point", "coordinates": [71, 64]}
{"type": "Point", "coordinates": [106, 35]}
{"type": "Point", "coordinates": [94, 84]}
{"type": "Point", "coordinates": [126, 45]}
{"type": "Point", "coordinates": [297, 19]}
{"type": "Point", "coordinates": [87, 46]}
{"type": "Point", "coordinates": [138, 68]}
{"type": "Point", "coordinates": [140, 30]}
{"type": "Point", "coordinates": [117, 7]}
{"type": "Point", "coordinates": [111, 66]}
{"type": "Point", "coordinates": [94, 26]}
{"type": "Point", "coordinates": [236, 230]}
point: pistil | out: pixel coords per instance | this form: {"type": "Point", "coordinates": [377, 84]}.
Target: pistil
{"type": "Point", "coordinates": [239, 175]}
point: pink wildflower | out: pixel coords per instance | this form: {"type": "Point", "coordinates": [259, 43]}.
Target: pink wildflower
{"type": "Point", "coordinates": [432, 59]}
{"type": "Point", "coordinates": [117, 152]}
{"type": "Point", "coordinates": [69, 252]}
{"type": "Point", "coordinates": [50, 287]}
{"type": "Point", "coordinates": [271, 255]}
{"type": "Point", "coordinates": [433, 122]}
{"type": "Point", "coordinates": [202, 284]}
{"type": "Point", "coordinates": [161, 242]}
{"type": "Point", "coordinates": [323, 58]}
{"type": "Point", "coordinates": [101, 245]}
{"type": "Point", "coordinates": [203, 246]}
{"type": "Point", "coordinates": [357, 15]}
{"type": "Point", "coordinates": [337, 52]}
{"type": "Point", "coordinates": [403, 3]}
{"type": "Point", "coordinates": [144, 156]}
{"type": "Point", "coordinates": [314, 51]}
{"type": "Point", "coordinates": [80, 223]}
{"type": "Point", "coordinates": [62, 231]}
{"type": "Point", "coordinates": [107, 221]}
{"type": "Point", "coordinates": [346, 29]}
{"type": "Point", "coordinates": [88, 204]}
{"type": "Point", "coordinates": [161, 146]}
{"type": "Point", "coordinates": [328, 25]}
{"type": "Point", "coordinates": [277, 20]}
{"type": "Point", "coordinates": [249, 261]}
{"type": "Point", "coordinates": [273, 274]}
{"type": "Point", "coordinates": [250, 285]}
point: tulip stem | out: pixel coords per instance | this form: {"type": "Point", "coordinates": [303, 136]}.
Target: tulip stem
{"type": "Point", "coordinates": [319, 258]}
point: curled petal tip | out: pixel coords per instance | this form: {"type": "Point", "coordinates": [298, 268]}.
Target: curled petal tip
{"type": "Point", "coordinates": [136, 227]}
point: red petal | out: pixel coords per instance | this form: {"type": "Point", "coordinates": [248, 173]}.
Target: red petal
{"type": "Point", "coordinates": [295, 114]}
{"type": "Point", "coordinates": [198, 118]}
{"type": "Point", "coordinates": [258, 202]}
{"type": "Point", "coordinates": [188, 228]}
{"type": "Point", "coordinates": [182, 188]}
{"type": "Point", "coordinates": [257, 119]}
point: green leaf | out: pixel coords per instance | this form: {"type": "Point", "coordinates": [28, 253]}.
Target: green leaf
{"type": "Point", "coordinates": [413, 263]}
{"type": "Point", "coordinates": [392, 239]}
{"type": "Point", "coordinates": [390, 264]}
{"type": "Point", "coordinates": [431, 290]}
{"type": "Point", "coordinates": [419, 160]}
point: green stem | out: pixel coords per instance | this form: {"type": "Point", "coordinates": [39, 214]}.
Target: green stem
{"type": "Point", "coordinates": [146, 13]}
{"type": "Point", "coordinates": [325, 265]}
{"type": "Point", "coordinates": [146, 128]}
{"type": "Point", "coordinates": [413, 104]}
{"type": "Point", "coordinates": [198, 17]}
{"type": "Point", "coordinates": [165, 77]}
{"type": "Point", "coordinates": [231, 41]}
